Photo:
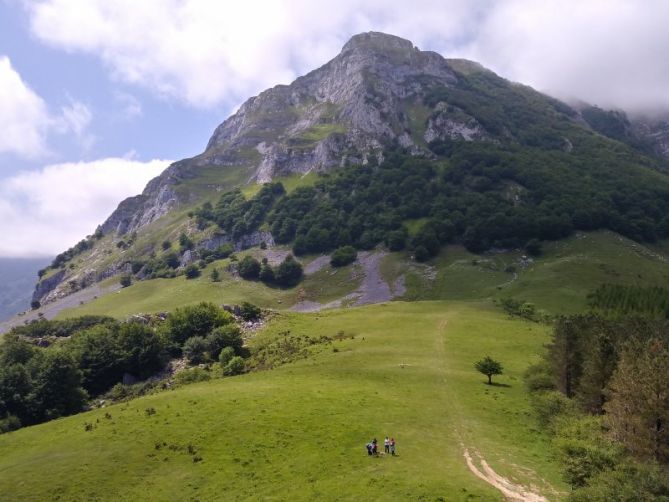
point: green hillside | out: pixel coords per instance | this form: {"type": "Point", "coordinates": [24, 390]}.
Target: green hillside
{"type": "Point", "coordinates": [298, 432]}
{"type": "Point", "coordinates": [558, 281]}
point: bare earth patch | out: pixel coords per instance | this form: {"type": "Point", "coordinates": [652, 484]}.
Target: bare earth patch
{"type": "Point", "coordinates": [511, 491]}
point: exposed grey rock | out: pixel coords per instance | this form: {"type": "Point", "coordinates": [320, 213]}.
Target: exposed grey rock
{"type": "Point", "coordinates": [450, 122]}
{"type": "Point", "coordinates": [188, 257]}
{"type": "Point", "coordinates": [46, 286]}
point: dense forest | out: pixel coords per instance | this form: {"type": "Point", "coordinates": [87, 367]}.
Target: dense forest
{"type": "Point", "coordinates": [482, 195]}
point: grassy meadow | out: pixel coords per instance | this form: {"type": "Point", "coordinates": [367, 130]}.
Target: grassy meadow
{"type": "Point", "coordinates": [298, 432]}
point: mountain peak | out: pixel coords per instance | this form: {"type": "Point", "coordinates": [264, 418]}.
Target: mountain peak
{"type": "Point", "coordinates": [377, 42]}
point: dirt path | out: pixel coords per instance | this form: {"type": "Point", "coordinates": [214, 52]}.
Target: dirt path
{"type": "Point", "coordinates": [511, 491]}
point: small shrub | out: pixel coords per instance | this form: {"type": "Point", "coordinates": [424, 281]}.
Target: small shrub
{"type": "Point", "coordinates": [234, 367]}
{"type": "Point", "coordinates": [225, 356]}
{"type": "Point", "coordinates": [421, 254]}
{"type": "Point", "coordinates": [9, 423]}
{"type": "Point", "coordinates": [343, 256]}
{"type": "Point", "coordinates": [266, 273]}
{"type": "Point", "coordinates": [150, 411]}
{"type": "Point", "coordinates": [289, 272]}
{"type": "Point", "coordinates": [215, 275]}
{"type": "Point", "coordinates": [35, 304]}
{"type": "Point", "coordinates": [125, 281]}
{"type": "Point", "coordinates": [166, 245]}
{"type": "Point", "coordinates": [192, 375]}
{"type": "Point", "coordinates": [192, 271]}
{"type": "Point", "coordinates": [551, 404]}
{"type": "Point", "coordinates": [250, 312]}
{"type": "Point", "coordinates": [538, 377]}
{"type": "Point", "coordinates": [249, 268]}
{"type": "Point", "coordinates": [194, 349]}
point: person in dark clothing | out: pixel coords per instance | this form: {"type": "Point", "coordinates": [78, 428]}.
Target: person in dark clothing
{"type": "Point", "coordinates": [375, 446]}
{"type": "Point", "coordinates": [369, 449]}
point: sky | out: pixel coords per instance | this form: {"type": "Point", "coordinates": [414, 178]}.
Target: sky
{"type": "Point", "coordinates": [99, 96]}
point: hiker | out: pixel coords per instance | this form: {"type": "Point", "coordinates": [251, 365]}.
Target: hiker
{"type": "Point", "coordinates": [375, 446]}
{"type": "Point", "coordinates": [369, 449]}
{"type": "Point", "coordinates": [392, 446]}
{"type": "Point", "coordinates": [386, 444]}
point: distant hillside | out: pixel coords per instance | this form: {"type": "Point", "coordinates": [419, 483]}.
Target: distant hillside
{"type": "Point", "coordinates": [17, 280]}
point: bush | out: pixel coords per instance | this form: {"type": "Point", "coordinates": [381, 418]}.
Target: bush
{"type": "Point", "coordinates": [192, 375]}
{"type": "Point", "coordinates": [194, 349]}
{"type": "Point", "coordinates": [396, 240]}
{"type": "Point", "coordinates": [266, 273]}
{"type": "Point", "coordinates": [249, 268]}
{"type": "Point", "coordinates": [549, 405]}
{"type": "Point", "coordinates": [196, 320]}
{"type": "Point", "coordinates": [234, 367]}
{"type": "Point", "coordinates": [289, 272]}
{"type": "Point", "coordinates": [171, 260]}
{"type": "Point", "coordinates": [225, 356]}
{"type": "Point", "coordinates": [35, 304]}
{"type": "Point", "coordinates": [250, 312]}
{"type": "Point", "coordinates": [192, 271]}
{"type": "Point", "coordinates": [627, 482]}
{"type": "Point", "coordinates": [166, 245]}
{"type": "Point", "coordinates": [343, 256]}
{"type": "Point", "coordinates": [125, 281]}
{"type": "Point", "coordinates": [9, 423]}
{"type": "Point", "coordinates": [224, 336]}
{"type": "Point", "coordinates": [421, 254]}
{"type": "Point", "coordinates": [185, 242]}
{"type": "Point", "coordinates": [215, 275]}
{"type": "Point", "coordinates": [538, 377]}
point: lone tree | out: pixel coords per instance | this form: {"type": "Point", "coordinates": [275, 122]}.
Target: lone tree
{"type": "Point", "coordinates": [489, 367]}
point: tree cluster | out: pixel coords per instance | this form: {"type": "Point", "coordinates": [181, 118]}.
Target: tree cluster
{"type": "Point", "coordinates": [603, 392]}
{"type": "Point", "coordinates": [87, 356]}
{"type": "Point", "coordinates": [287, 274]}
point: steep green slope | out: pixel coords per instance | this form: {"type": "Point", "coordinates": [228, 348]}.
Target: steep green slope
{"type": "Point", "coordinates": [298, 432]}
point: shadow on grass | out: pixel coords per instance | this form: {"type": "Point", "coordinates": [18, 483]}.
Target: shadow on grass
{"type": "Point", "coordinates": [495, 384]}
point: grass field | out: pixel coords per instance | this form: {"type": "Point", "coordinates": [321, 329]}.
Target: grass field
{"type": "Point", "coordinates": [298, 432]}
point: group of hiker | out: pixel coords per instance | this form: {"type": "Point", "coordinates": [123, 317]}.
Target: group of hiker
{"type": "Point", "coordinates": [388, 444]}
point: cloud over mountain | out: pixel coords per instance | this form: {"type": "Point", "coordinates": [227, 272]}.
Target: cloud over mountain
{"type": "Point", "coordinates": [44, 212]}
{"type": "Point", "coordinates": [203, 53]}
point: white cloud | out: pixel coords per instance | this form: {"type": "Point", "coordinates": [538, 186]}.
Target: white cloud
{"type": "Point", "coordinates": [207, 53]}
{"type": "Point", "coordinates": [44, 212]}
{"type": "Point", "coordinates": [23, 115]}
{"type": "Point", "coordinates": [27, 121]}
